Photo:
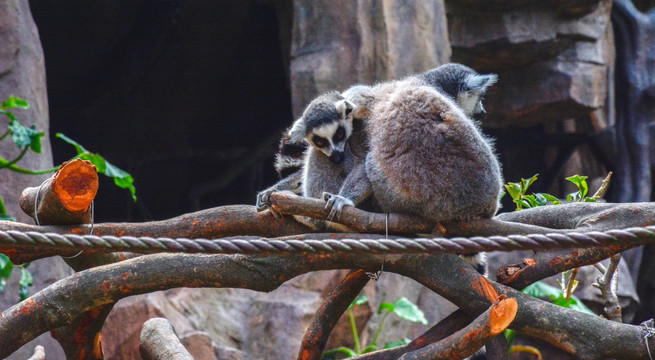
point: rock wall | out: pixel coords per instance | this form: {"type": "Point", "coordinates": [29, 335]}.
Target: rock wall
{"type": "Point", "coordinates": [22, 73]}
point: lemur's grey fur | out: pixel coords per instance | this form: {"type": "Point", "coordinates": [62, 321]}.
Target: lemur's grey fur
{"type": "Point", "coordinates": [461, 83]}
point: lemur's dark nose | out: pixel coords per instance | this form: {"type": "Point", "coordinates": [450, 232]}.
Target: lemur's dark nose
{"type": "Point", "coordinates": [337, 157]}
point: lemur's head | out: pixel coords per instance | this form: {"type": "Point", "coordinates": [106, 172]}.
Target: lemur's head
{"type": "Point", "coordinates": [462, 84]}
{"type": "Point", "coordinates": [326, 124]}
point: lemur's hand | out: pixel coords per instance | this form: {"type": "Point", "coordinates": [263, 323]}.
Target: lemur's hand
{"type": "Point", "coordinates": [264, 202]}
{"type": "Point", "coordinates": [335, 204]}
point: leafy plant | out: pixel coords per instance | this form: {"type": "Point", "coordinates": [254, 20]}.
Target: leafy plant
{"type": "Point", "coordinates": [518, 193]}
{"type": "Point", "coordinates": [403, 308]}
{"type": "Point", "coordinates": [28, 138]}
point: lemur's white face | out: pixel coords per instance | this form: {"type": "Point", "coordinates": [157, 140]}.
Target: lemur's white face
{"type": "Point", "coordinates": [331, 138]}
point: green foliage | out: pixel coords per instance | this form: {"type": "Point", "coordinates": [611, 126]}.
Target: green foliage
{"type": "Point", "coordinates": [122, 179]}
{"type": "Point", "coordinates": [25, 282]}
{"type": "Point", "coordinates": [518, 193]}
{"type": "Point", "coordinates": [28, 138]}
{"type": "Point", "coordinates": [557, 296]}
{"type": "Point", "coordinates": [403, 308]}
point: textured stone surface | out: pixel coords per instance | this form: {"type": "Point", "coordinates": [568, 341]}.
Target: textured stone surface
{"type": "Point", "coordinates": [22, 73]}
{"type": "Point", "coordinates": [553, 58]}
{"type": "Point", "coordinates": [339, 43]}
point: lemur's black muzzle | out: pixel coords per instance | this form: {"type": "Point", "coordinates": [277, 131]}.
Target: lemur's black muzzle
{"type": "Point", "coordinates": [337, 157]}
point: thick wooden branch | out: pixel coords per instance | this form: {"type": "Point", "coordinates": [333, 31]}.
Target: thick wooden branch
{"type": "Point", "coordinates": [467, 341]}
{"type": "Point", "coordinates": [64, 198]}
{"type": "Point", "coordinates": [452, 323]}
{"type": "Point", "coordinates": [327, 315]}
{"type": "Point", "coordinates": [583, 335]}
{"type": "Point", "coordinates": [159, 341]}
{"type": "Point", "coordinates": [549, 263]}
{"type": "Point", "coordinates": [232, 220]}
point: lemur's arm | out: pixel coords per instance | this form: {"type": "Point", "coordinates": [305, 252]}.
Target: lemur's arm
{"type": "Point", "coordinates": [290, 183]}
{"type": "Point", "coordinates": [355, 189]}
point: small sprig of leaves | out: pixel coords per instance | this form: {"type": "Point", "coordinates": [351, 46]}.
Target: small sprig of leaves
{"type": "Point", "coordinates": [518, 193]}
{"type": "Point", "coordinates": [403, 308]}
{"type": "Point", "coordinates": [122, 179]}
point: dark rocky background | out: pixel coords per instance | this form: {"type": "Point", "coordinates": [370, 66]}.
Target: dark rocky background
{"type": "Point", "coordinates": [190, 98]}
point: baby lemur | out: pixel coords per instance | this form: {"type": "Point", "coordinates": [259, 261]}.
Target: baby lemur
{"type": "Point", "coordinates": [460, 83]}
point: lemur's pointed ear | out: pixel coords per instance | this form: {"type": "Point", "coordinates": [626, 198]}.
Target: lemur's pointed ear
{"type": "Point", "coordinates": [297, 131]}
{"type": "Point", "coordinates": [481, 82]}
{"type": "Point", "coordinates": [360, 112]}
{"type": "Point", "coordinates": [344, 107]}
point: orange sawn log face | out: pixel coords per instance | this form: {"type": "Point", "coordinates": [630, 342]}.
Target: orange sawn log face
{"type": "Point", "coordinates": [76, 184]}
{"type": "Point", "coordinates": [64, 198]}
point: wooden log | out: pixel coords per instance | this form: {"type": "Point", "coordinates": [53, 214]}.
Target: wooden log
{"type": "Point", "coordinates": [467, 341]}
{"type": "Point", "coordinates": [64, 198]}
{"type": "Point", "coordinates": [159, 341]}
{"type": "Point", "coordinates": [327, 315]}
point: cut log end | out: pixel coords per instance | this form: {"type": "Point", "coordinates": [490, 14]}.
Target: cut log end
{"type": "Point", "coordinates": [76, 184]}
{"type": "Point", "coordinates": [502, 315]}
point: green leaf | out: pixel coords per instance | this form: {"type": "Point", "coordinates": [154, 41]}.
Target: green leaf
{"type": "Point", "coordinates": [369, 348]}
{"type": "Point", "coordinates": [407, 310]}
{"type": "Point", "coordinates": [122, 178]}
{"type": "Point", "coordinates": [554, 200]}
{"type": "Point", "coordinates": [6, 217]}
{"type": "Point", "coordinates": [590, 200]}
{"type": "Point", "coordinates": [25, 282]}
{"type": "Point", "coordinates": [531, 200]}
{"type": "Point", "coordinates": [543, 290]}
{"type": "Point", "coordinates": [5, 266]}
{"type": "Point", "coordinates": [359, 301]}
{"type": "Point", "coordinates": [540, 199]}
{"type": "Point", "coordinates": [14, 102]}
{"type": "Point", "coordinates": [8, 114]}
{"type": "Point", "coordinates": [23, 136]}
{"type": "Point", "coordinates": [514, 190]}
{"type": "Point", "coordinates": [385, 306]}
{"type": "Point", "coordinates": [525, 183]}
{"type": "Point", "coordinates": [510, 335]}
{"type": "Point", "coordinates": [332, 353]}
{"type": "Point", "coordinates": [581, 183]}
{"type": "Point", "coordinates": [394, 344]}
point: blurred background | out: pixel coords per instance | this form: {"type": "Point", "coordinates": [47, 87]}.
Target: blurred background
{"type": "Point", "coordinates": [190, 97]}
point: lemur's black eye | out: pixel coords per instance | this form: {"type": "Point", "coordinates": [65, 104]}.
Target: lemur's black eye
{"type": "Point", "coordinates": [340, 134]}
{"type": "Point", "coordinates": [438, 118]}
{"type": "Point", "coordinates": [319, 141]}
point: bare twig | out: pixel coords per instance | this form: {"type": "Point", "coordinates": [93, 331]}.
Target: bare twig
{"type": "Point", "coordinates": [600, 193]}
{"type": "Point", "coordinates": [608, 284]}
{"type": "Point", "coordinates": [571, 285]}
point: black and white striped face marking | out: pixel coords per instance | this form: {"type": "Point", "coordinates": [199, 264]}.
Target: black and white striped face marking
{"type": "Point", "coordinates": [331, 139]}
{"type": "Point", "coordinates": [472, 92]}
{"type": "Point", "coordinates": [326, 125]}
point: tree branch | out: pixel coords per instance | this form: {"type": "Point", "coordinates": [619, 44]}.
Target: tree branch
{"type": "Point", "coordinates": [327, 315]}
{"type": "Point", "coordinates": [447, 275]}
{"type": "Point", "coordinates": [467, 341]}
{"type": "Point", "coordinates": [608, 284]}
{"type": "Point", "coordinates": [159, 341]}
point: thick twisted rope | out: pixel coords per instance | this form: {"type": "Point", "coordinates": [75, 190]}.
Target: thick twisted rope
{"type": "Point", "coordinates": [630, 236]}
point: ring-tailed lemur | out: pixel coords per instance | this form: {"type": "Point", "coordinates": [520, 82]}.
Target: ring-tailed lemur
{"type": "Point", "coordinates": [461, 83]}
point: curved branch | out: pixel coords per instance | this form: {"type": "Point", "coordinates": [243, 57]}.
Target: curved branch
{"type": "Point", "coordinates": [327, 315]}
{"type": "Point", "coordinates": [159, 341]}
{"type": "Point", "coordinates": [583, 335]}
{"type": "Point", "coordinates": [467, 341]}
